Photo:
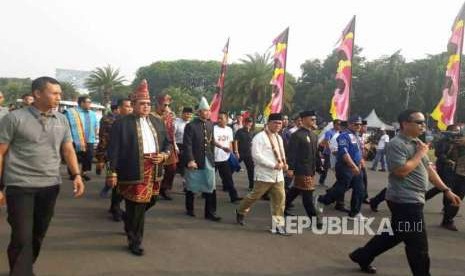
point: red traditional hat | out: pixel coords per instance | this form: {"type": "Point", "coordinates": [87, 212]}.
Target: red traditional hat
{"type": "Point", "coordinates": [142, 92]}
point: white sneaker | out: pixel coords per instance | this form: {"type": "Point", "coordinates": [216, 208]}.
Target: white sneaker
{"type": "Point", "coordinates": [359, 217]}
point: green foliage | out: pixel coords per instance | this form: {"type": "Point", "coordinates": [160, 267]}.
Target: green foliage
{"type": "Point", "coordinates": [198, 77]}
{"type": "Point", "coordinates": [14, 88]}
{"type": "Point", "coordinates": [182, 97]}
{"type": "Point", "coordinates": [248, 86]}
{"type": "Point", "coordinates": [69, 91]}
{"type": "Point", "coordinates": [103, 81]}
{"type": "Point", "coordinates": [379, 84]}
{"type": "Point", "coordinates": [120, 92]}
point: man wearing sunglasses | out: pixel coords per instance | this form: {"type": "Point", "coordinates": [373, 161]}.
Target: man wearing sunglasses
{"type": "Point", "coordinates": [164, 113]}
{"type": "Point", "coordinates": [410, 171]}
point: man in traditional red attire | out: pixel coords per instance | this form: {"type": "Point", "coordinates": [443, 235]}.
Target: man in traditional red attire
{"type": "Point", "coordinates": [164, 113]}
{"type": "Point", "coordinates": [138, 147]}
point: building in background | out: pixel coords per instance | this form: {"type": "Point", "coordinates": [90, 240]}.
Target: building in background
{"type": "Point", "coordinates": [76, 77]}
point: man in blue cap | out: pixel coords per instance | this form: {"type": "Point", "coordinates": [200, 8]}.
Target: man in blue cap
{"type": "Point", "coordinates": [348, 169]}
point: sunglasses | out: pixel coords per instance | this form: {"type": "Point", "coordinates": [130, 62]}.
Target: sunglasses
{"type": "Point", "coordinates": [167, 104]}
{"type": "Point", "coordinates": [418, 122]}
{"type": "Point", "coordinates": [145, 103]}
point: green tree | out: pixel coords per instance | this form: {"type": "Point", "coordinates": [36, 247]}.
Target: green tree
{"type": "Point", "coordinates": [248, 86]}
{"type": "Point", "coordinates": [14, 88]}
{"type": "Point", "coordinates": [103, 81]}
{"type": "Point", "coordinates": [182, 97]}
{"type": "Point", "coordinates": [69, 92]}
{"type": "Point", "coordinates": [198, 77]}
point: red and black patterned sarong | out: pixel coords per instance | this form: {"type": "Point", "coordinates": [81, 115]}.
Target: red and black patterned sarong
{"type": "Point", "coordinates": [142, 192]}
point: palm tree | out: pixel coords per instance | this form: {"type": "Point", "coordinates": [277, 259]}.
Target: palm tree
{"type": "Point", "coordinates": [104, 80]}
{"type": "Point", "coordinates": [248, 84]}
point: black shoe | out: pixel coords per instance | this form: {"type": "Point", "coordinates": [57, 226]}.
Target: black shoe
{"type": "Point", "coordinates": [369, 269]}
{"type": "Point", "coordinates": [449, 226]}
{"type": "Point", "coordinates": [381, 170]}
{"type": "Point", "coordinates": [165, 196]}
{"type": "Point", "coordinates": [236, 200]}
{"type": "Point", "coordinates": [136, 250]}
{"type": "Point", "coordinates": [373, 206]}
{"type": "Point", "coordinates": [366, 201]}
{"type": "Point", "coordinates": [190, 213]}
{"type": "Point", "coordinates": [116, 216]}
{"type": "Point", "coordinates": [86, 177]}
{"type": "Point", "coordinates": [240, 219]}
{"type": "Point", "coordinates": [341, 208]}
{"type": "Point", "coordinates": [213, 218]}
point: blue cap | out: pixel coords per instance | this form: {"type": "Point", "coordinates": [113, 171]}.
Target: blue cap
{"type": "Point", "coordinates": [355, 119]}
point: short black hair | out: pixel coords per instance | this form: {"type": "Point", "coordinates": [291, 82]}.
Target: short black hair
{"type": "Point", "coordinates": [120, 102]}
{"type": "Point", "coordinates": [187, 110]}
{"type": "Point", "coordinates": [223, 113]}
{"type": "Point", "coordinates": [41, 83]}
{"type": "Point", "coordinates": [26, 95]}
{"type": "Point", "coordinates": [405, 115]}
{"type": "Point", "coordinates": [82, 99]}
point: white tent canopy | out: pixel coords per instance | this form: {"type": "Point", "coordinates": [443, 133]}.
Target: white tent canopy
{"type": "Point", "coordinates": [374, 121]}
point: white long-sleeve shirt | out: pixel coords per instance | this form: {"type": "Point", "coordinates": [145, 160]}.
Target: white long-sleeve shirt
{"type": "Point", "coordinates": [148, 140]}
{"type": "Point", "coordinates": [264, 158]}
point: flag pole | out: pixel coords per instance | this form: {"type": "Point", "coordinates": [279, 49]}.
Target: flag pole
{"type": "Point", "coordinates": [284, 67]}
{"type": "Point", "coordinates": [351, 69]}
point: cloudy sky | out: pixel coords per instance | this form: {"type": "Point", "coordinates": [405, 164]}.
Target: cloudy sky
{"type": "Point", "coordinates": [37, 36]}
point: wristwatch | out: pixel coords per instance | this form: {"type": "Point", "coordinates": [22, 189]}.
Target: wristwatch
{"type": "Point", "coordinates": [75, 175]}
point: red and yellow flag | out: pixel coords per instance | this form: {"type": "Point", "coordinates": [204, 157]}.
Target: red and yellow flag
{"type": "Point", "coordinates": [444, 112]}
{"type": "Point", "coordinates": [340, 102]}
{"type": "Point", "coordinates": [215, 105]}
{"type": "Point", "coordinates": [279, 72]}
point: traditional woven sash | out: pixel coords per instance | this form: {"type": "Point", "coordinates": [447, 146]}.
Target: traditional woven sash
{"type": "Point", "coordinates": [76, 124]}
{"type": "Point", "coordinates": [280, 156]}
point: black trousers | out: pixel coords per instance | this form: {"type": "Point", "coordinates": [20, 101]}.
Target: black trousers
{"type": "Point", "coordinates": [249, 165]}
{"type": "Point", "coordinates": [116, 199]}
{"type": "Point", "coordinates": [307, 200]}
{"type": "Point", "coordinates": [345, 180]}
{"type": "Point", "coordinates": [408, 226]}
{"type": "Point", "coordinates": [30, 211]}
{"type": "Point", "coordinates": [326, 167]}
{"type": "Point", "coordinates": [181, 165]}
{"type": "Point", "coordinates": [85, 157]}
{"type": "Point", "coordinates": [226, 177]}
{"type": "Point", "coordinates": [458, 188]}
{"type": "Point", "coordinates": [210, 203]}
{"type": "Point", "coordinates": [134, 220]}
{"type": "Point", "coordinates": [365, 182]}
{"type": "Point", "coordinates": [380, 197]}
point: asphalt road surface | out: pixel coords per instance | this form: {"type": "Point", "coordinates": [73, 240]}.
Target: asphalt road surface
{"type": "Point", "coordinates": [83, 240]}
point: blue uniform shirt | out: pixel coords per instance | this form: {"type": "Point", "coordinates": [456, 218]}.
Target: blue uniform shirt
{"type": "Point", "coordinates": [349, 142]}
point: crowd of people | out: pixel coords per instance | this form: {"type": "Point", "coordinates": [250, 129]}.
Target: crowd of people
{"type": "Point", "coordinates": [140, 151]}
